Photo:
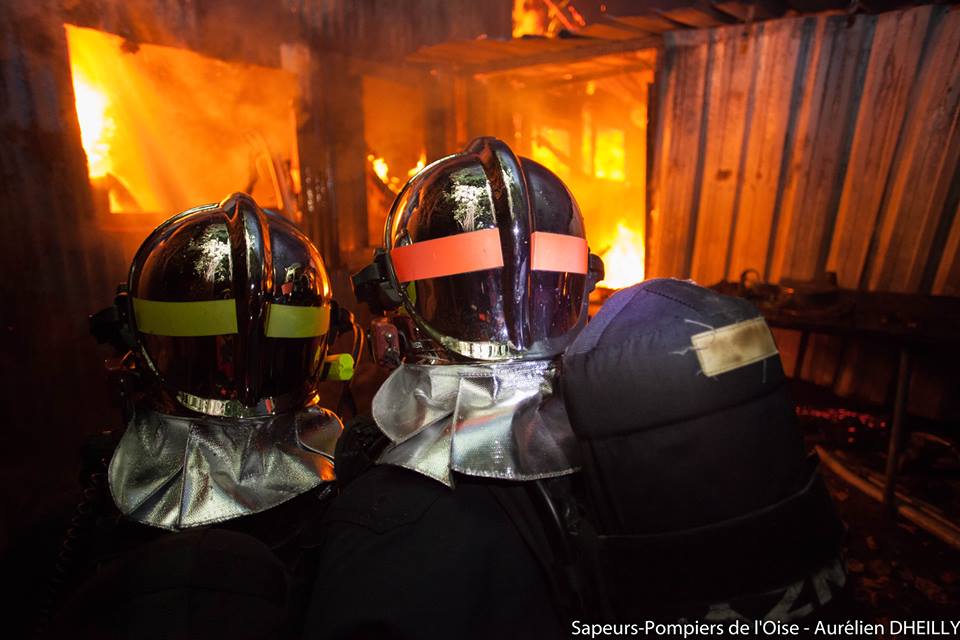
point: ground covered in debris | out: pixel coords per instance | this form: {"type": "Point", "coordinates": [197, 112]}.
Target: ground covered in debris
{"type": "Point", "coordinates": [898, 571]}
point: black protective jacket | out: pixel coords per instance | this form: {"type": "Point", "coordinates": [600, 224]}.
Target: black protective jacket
{"type": "Point", "coordinates": [245, 578]}
{"type": "Point", "coordinates": [404, 556]}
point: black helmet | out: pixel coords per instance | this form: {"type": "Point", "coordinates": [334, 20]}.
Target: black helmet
{"type": "Point", "coordinates": [486, 252]}
{"type": "Point", "coordinates": [230, 307]}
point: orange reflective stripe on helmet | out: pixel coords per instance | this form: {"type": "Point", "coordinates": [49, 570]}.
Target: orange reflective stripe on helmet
{"type": "Point", "coordinates": [558, 252]}
{"type": "Point", "coordinates": [480, 250]}
{"type": "Point", "coordinates": [449, 256]}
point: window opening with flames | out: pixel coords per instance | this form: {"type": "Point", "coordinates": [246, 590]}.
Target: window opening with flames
{"type": "Point", "coordinates": [165, 129]}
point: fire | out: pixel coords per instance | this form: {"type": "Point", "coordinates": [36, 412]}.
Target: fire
{"type": "Point", "coordinates": [545, 17]}
{"type": "Point", "coordinates": [528, 19]}
{"type": "Point", "coordinates": [609, 161]}
{"type": "Point", "coordinates": [421, 163]}
{"type": "Point", "coordinates": [382, 169]}
{"type": "Point", "coordinates": [623, 261]}
{"type": "Point", "coordinates": [96, 125]}
{"type": "Point", "coordinates": [152, 118]}
{"type": "Point", "coordinates": [551, 148]}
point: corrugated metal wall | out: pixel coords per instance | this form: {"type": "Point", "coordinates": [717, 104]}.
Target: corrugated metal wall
{"type": "Point", "coordinates": [813, 144]}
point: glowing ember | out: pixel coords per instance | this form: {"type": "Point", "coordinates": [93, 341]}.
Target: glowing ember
{"type": "Point", "coordinates": [96, 126]}
{"type": "Point", "coordinates": [623, 261]}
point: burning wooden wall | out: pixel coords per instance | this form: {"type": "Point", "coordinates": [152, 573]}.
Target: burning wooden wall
{"type": "Point", "coordinates": [825, 143]}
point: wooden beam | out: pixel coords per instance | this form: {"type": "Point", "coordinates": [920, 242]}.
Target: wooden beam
{"type": "Point", "coordinates": [559, 57]}
{"type": "Point", "coordinates": [582, 77]}
{"type": "Point", "coordinates": [333, 160]}
{"type": "Point", "coordinates": [649, 21]}
{"type": "Point", "coordinates": [698, 15]}
{"type": "Point", "coordinates": [916, 511]}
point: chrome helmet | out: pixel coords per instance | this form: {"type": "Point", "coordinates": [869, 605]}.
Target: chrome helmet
{"type": "Point", "coordinates": [486, 253]}
{"type": "Point", "coordinates": [230, 310]}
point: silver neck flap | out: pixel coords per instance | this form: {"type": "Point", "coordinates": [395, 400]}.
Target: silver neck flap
{"type": "Point", "coordinates": [504, 421]}
{"type": "Point", "coordinates": [176, 472]}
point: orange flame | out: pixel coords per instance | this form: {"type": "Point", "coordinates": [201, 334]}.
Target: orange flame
{"type": "Point", "coordinates": [152, 117]}
{"type": "Point", "coordinates": [421, 163]}
{"type": "Point", "coordinates": [96, 126]}
{"type": "Point", "coordinates": [382, 169]}
{"type": "Point", "coordinates": [528, 19]}
{"type": "Point", "coordinates": [623, 261]}
{"type": "Point", "coordinates": [609, 161]}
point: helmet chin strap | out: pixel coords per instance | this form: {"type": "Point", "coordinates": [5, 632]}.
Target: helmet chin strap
{"type": "Point", "coordinates": [232, 408]}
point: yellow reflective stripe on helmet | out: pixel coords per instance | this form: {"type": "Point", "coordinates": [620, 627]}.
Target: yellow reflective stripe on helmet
{"type": "Point", "coordinates": [185, 319]}
{"type": "Point", "coordinates": [288, 321]}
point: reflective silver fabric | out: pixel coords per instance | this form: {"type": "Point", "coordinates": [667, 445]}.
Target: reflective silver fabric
{"type": "Point", "coordinates": [498, 421]}
{"type": "Point", "coordinates": [177, 472]}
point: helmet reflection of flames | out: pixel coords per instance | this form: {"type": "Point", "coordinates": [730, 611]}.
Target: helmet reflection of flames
{"type": "Point", "coordinates": [231, 306]}
{"type": "Point", "coordinates": [489, 255]}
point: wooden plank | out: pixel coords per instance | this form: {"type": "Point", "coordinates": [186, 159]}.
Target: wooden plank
{"type": "Point", "coordinates": [679, 141]}
{"type": "Point", "coordinates": [541, 82]}
{"type": "Point", "coordinates": [897, 46]}
{"type": "Point", "coordinates": [778, 52]}
{"type": "Point", "coordinates": [924, 164]}
{"type": "Point", "coordinates": [808, 92]}
{"type": "Point", "coordinates": [828, 163]}
{"type": "Point", "coordinates": [947, 282]}
{"type": "Point", "coordinates": [558, 54]}
{"type": "Point", "coordinates": [823, 139]}
{"type": "Point", "coordinates": [455, 52]}
{"type": "Point", "coordinates": [592, 69]}
{"type": "Point", "coordinates": [731, 86]}
{"type": "Point", "coordinates": [608, 31]}
{"type": "Point", "coordinates": [745, 11]}
{"type": "Point", "coordinates": [947, 219]}
{"type": "Point", "coordinates": [698, 14]}
{"type": "Point", "coordinates": [649, 22]}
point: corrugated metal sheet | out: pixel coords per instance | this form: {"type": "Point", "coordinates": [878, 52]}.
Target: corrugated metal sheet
{"type": "Point", "coordinates": [813, 144]}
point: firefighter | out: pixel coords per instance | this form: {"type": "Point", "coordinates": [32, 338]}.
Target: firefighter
{"type": "Point", "coordinates": [486, 259]}
{"type": "Point", "coordinates": [703, 503]}
{"type": "Point", "coordinates": [226, 462]}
